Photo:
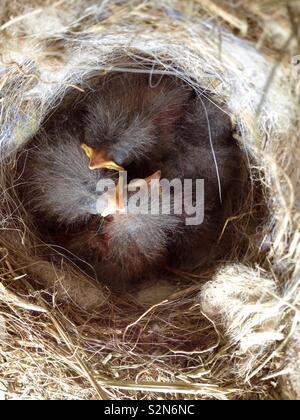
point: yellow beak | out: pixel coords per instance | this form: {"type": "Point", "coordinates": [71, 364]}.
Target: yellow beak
{"type": "Point", "coordinates": [116, 204]}
{"type": "Point", "coordinates": [98, 160]}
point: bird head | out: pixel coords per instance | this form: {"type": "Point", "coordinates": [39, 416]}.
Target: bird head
{"type": "Point", "coordinates": [131, 124]}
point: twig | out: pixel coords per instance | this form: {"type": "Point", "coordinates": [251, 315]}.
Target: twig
{"type": "Point", "coordinates": [20, 18]}
{"type": "Point", "coordinates": [68, 341]}
{"type": "Point", "coordinates": [166, 388]}
{"type": "Point", "coordinates": [234, 21]}
{"type": "Point", "coordinates": [143, 316]}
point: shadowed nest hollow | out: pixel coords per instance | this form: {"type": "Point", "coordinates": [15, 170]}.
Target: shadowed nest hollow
{"type": "Point", "coordinates": [221, 325]}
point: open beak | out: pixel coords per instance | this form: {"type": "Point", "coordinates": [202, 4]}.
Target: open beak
{"type": "Point", "coordinates": [140, 182]}
{"type": "Point", "coordinates": [114, 200]}
{"type": "Point", "coordinates": [98, 159]}
{"type": "Point", "coordinates": [116, 204]}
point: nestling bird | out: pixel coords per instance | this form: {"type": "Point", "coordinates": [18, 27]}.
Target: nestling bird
{"type": "Point", "coordinates": [128, 123]}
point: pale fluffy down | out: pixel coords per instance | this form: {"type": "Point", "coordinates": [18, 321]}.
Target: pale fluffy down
{"type": "Point", "coordinates": [246, 302]}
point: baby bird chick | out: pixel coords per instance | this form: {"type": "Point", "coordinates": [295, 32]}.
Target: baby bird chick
{"type": "Point", "coordinates": [129, 124]}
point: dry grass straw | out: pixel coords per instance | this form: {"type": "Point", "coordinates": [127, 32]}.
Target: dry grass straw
{"type": "Point", "coordinates": [234, 337]}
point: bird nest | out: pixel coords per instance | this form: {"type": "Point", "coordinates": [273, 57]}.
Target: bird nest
{"type": "Point", "coordinates": [230, 332]}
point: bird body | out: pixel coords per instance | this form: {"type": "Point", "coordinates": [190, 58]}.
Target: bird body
{"type": "Point", "coordinates": [129, 124]}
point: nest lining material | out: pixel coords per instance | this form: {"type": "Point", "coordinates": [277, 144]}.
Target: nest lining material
{"type": "Point", "coordinates": [62, 335]}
